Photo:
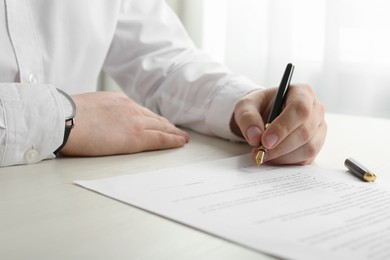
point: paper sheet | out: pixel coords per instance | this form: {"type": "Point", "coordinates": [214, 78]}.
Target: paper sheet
{"type": "Point", "coordinates": [299, 212]}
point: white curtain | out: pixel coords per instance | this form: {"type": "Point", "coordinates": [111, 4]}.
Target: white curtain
{"type": "Point", "coordinates": [340, 47]}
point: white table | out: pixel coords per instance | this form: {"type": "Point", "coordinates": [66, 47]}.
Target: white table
{"type": "Point", "coordinates": [44, 216]}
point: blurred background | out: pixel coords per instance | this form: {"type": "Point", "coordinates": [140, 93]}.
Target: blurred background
{"type": "Point", "coordinates": [340, 47]}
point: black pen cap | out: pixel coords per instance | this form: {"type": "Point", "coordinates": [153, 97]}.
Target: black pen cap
{"type": "Point", "coordinates": [359, 170]}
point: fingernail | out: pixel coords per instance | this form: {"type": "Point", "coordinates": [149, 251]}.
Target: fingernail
{"type": "Point", "coordinates": [271, 140]}
{"type": "Point", "coordinates": [253, 133]}
{"type": "Point", "coordinates": [182, 140]}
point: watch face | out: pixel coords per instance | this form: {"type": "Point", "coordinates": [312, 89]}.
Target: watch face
{"type": "Point", "coordinates": [69, 105]}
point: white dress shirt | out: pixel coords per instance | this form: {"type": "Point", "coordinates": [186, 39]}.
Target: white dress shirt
{"type": "Point", "coordinates": [49, 44]}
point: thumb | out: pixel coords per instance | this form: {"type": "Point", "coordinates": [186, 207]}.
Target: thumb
{"type": "Point", "coordinates": [248, 119]}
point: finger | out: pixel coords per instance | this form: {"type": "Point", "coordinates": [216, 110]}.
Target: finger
{"type": "Point", "coordinates": [163, 125]}
{"type": "Point", "coordinates": [148, 113]}
{"type": "Point", "coordinates": [153, 121]}
{"type": "Point", "coordinates": [304, 154]}
{"type": "Point", "coordinates": [301, 135]}
{"type": "Point", "coordinates": [298, 108]}
{"type": "Point", "coordinates": [248, 118]}
{"type": "Point", "coordinates": [157, 140]}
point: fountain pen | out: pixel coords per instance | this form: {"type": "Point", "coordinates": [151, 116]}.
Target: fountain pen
{"type": "Point", "coordinates": [277, 107]}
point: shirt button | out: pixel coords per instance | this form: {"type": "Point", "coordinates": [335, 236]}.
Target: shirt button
{"type": "Point", "coordinates": [32, 78]}
{"type": "Point", "coordinates": [31, 156]}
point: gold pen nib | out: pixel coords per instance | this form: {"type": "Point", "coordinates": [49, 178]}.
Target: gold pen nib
{"type": "Point", "coordinates": [260, 155]}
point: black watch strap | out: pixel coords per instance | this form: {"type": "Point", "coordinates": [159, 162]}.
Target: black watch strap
{"type": "Point", "coordinates": [68, 128]}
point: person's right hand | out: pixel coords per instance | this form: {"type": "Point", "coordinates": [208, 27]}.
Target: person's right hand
{"type": "Point", "coordinates": [109, 123]}
{"type": "Point", "coordinates": [296, 136]}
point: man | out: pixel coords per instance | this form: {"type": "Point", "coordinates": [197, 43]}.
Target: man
{"type": "Point", "coordinates": [47, 45]}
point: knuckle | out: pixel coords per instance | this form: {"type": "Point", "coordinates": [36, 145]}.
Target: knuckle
{"type": "Point", "coordinates": [305, 133]}
{"type": "Point", "coordinates": [241, 102]}
{"type": "Point", "coordinates": [282, 129]}
{"type": "Point", "coordinates": [246, 116]}
{"type": "Point", "coordinates": [309, 89]}
{"type": "Point", "coordinates": [311, 151]}
{"type": "Point", "coordinates": [302, 109]}
{"type": "Point", "coordinates": [325, 126]}
{"type": "Point", "coordinates": [246, 110]}
{"type": "Point", "coordinates": [319, 107]}
{"type": "Point", "coordinates": [322, 108]}
{"type": "Point", "coordinates": [306, 87]}
{"type": "Point", "coordinates": [162, 140]}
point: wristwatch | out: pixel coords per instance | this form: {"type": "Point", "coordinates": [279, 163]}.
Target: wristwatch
{"type": "Point", "coordinates": [70, 112]}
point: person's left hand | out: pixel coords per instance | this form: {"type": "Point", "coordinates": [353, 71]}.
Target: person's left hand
{"type": "Point", "coordinates": [109, 122]}
{"type": "Point", "coordinates": [294, 137]}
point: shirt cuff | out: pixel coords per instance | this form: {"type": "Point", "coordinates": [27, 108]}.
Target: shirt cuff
{"type": "Point", "coordinates": [31, 123]}
{"type": "Point", "coordinates": [222, 107]}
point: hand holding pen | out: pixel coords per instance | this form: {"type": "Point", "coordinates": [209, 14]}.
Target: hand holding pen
{"type": "Point", "coordinates": [277, 107]}
{"type": "Point", "coordinates": [297, 132]}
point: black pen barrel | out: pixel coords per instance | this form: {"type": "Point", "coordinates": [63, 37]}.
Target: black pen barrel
{"type": "Point", "coordinates": [281, 95]}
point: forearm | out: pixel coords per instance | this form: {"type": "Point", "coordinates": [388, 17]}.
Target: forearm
{"type": "Point", "coordinates": [166, 73]}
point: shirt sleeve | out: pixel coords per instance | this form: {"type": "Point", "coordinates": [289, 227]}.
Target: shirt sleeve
{"type": "Point", "coordinates": [31, 123]}
{"type": "Point", "coordinates": [152, 58]}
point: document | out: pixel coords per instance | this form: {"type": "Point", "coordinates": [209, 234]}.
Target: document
{"type": "Point", "coordinates": [294, 212]}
